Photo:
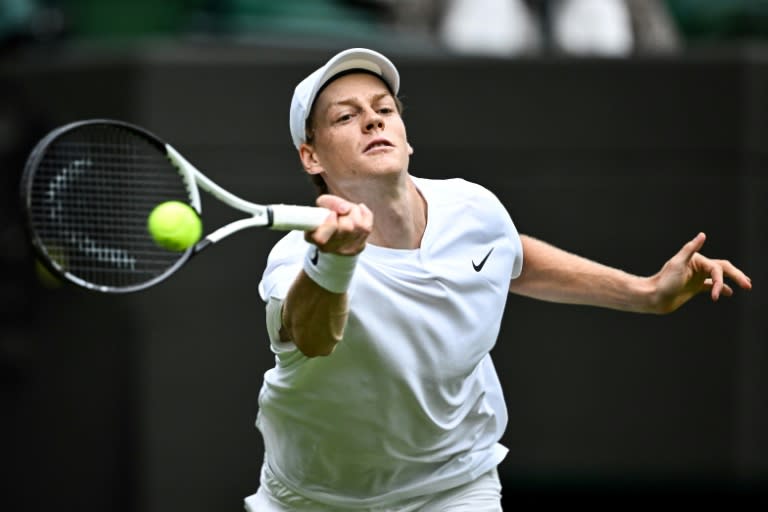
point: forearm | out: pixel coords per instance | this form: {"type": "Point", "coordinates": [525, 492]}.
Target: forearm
{"type": "Point", "coordinates": [554, 275]}
{"type": "Point", "coordinates": [313, 318]}
{"type": "Point", "coordinates": [316, 309]}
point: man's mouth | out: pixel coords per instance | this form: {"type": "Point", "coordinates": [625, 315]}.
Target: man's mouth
{"type": "Point", "coordinates": [378, 143]}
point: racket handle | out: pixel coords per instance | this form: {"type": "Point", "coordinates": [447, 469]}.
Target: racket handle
{"type": "Point", "coordinates": [287, 217]}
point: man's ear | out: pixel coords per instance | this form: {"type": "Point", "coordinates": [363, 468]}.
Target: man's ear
{"type": "Point", "coordinates": [309, 159]}
{"type": "Point", "coordinates": [410, 148]}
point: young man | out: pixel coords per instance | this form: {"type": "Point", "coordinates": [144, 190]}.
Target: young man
{"type": "Point", "coordinates": [405, 411]}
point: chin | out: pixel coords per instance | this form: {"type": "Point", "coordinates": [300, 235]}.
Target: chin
{"type": "Point", "coordinates": [389, 164]}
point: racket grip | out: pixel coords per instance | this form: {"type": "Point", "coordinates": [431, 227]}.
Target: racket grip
{"type": "Point", "coordinates": [287, 217]}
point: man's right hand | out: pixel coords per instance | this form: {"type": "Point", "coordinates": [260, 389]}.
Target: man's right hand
{"type": "Point", "coordinates": [346, 229]}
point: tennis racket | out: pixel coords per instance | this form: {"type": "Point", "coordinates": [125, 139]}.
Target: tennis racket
{"type": "Point", "coordinates": [88, 188]}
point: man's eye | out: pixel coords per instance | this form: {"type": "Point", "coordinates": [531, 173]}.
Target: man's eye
{"type": "Point", "coordinates": [343, 118]}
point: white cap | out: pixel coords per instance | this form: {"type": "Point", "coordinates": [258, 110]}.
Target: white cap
{"type": "Point", "coordinates": [354, 58]}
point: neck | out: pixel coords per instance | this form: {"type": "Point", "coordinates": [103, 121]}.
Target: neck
{"type": "Point", "coordinates": [399, 213]}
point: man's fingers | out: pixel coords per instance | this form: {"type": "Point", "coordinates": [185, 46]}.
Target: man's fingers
{"type": "Point", "coordinates": [692, 247]}
{"type": "Point", "coordinates": [346, 229]}
{"type": "Point", "coordinates": [736, 275]}
{"type": "Point", "coordinates": [324, 231]}
{"type": "Point", "coordinates": [716, 276]}
{"type": "Point", "coordinates": [726, 291]}
{"type": "Point", "coordinates": [367, 217]}
{"type": "Point", "coordinates": [334, 203]}
{"type": "Point", "coordinates": [717, 271]}
{"type": "Point", "coordinates": [356, 226]}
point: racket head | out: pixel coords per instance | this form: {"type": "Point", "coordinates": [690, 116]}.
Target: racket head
{"type": "Point", "coordinates": [87, 189]}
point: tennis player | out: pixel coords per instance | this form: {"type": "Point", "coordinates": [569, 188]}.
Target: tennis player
{"type": "Point", "coordinates": [401, 291]}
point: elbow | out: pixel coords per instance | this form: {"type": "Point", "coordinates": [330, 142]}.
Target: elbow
{"type": "Point", "coordinates": [311, 346]}
{"type": "Point", "coordinates": [314, 351]}
{"type": "Point", "coordinates": [317, 350]}
{"type": "Point", "coordinates": [318, 338]}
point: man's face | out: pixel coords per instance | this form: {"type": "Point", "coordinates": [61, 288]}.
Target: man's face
{"type": "Point", "coordinates": [357, 133]}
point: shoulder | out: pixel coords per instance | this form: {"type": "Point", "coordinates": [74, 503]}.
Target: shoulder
{"type": "Point", "coordinates": [453, 186]}
{"type": "Point", "coordinates": [458, 193]}
{"type": "Point", "coordinates": [453, 189]}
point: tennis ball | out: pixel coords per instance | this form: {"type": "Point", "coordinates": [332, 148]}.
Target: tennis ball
{"type": "Point", "coordinates": [175, 226]}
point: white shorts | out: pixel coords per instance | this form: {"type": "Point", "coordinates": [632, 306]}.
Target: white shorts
{"type": "Point", "coordinates": [481, 495]}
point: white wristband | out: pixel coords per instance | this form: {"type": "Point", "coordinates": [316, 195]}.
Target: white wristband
{"type": "Point", "coordinates": [331, 271]}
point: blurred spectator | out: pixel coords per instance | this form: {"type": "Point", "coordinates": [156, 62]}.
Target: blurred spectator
{"type": "Point", "coordinates": [490, 27]}
{"type": "Point", "coordinates": [575, 27]}
{"type": "Point", "coordinates": [591, 27]}
{"type": "Point", "coordinates": [655, 29]}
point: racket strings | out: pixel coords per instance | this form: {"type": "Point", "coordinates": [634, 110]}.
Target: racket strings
{"type": "Point", "coordinates": [92, 192]}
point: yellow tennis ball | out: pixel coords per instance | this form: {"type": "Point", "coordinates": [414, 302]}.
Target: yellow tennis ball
{"type": "Point", "coordinates": [175, 226]}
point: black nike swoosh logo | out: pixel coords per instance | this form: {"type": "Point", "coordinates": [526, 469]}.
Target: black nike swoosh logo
{"type": "Point", "coordinates": [315, 257]}
{"type": "Point", "coordinates": [479, 266]}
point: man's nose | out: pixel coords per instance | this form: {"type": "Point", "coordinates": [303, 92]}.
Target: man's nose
{"type": "Point", "coordinates": [373, 120]}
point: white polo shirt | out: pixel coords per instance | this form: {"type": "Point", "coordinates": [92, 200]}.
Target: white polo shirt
{"type": "Point", "coordinates": [409, 403]}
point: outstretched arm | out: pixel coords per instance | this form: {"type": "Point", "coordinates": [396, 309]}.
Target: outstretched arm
{"type": "Point", "coordinates": [555, 275]}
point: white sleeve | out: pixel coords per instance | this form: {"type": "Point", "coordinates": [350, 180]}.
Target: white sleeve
{"type": "Point", "coordinates": [283, 265]}
{"type": "Point", "coordinates": [514, 236]}
{"type": "Point", "coordinates": [274, 324]}
{"type": "Point", "coordinates": [508, 228]}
